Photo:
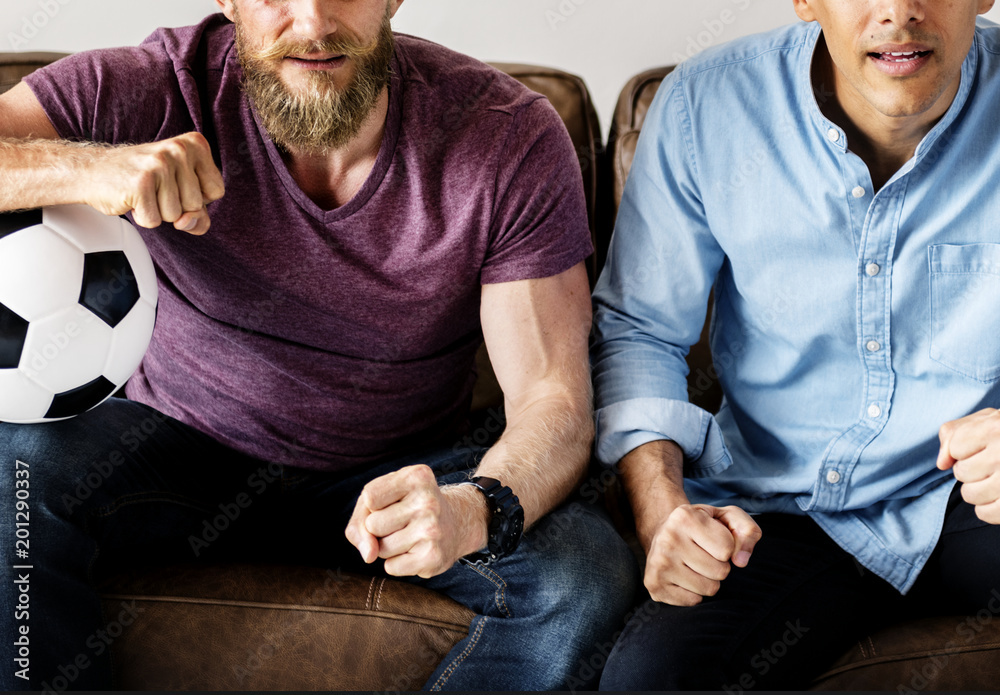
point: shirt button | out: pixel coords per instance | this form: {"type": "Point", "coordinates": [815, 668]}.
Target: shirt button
{"type": "Point", "coordinates": [858, 192]}
{"type": "Point", "coordinates": [873, 346]}
{"type": "Point", "coordinates": [874, 410]}
{"type": "Point", "coordinates": [833, 135]}
{"type": "Point", "coordinates": [872, 269]}
{"type": "Point", "coordinates": [832, 477]}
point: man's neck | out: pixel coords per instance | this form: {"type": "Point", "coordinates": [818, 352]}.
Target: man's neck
{"type": "Point", "coordinates": [333, 177]}
{"type": "Point", "coordinates": [884, 143]}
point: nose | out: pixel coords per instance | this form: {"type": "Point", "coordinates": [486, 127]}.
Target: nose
{"type": "Point", "coordinates": [312, 19]}
{"type": "Point", "coordinates": [901, 12]}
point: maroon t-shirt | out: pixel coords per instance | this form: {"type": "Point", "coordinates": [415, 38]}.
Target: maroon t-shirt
{"type": "Point", "coordinates": [330, 339]}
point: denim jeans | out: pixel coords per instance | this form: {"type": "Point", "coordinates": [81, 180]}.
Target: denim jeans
{"type": "Point", "coordinates": [124, 486]}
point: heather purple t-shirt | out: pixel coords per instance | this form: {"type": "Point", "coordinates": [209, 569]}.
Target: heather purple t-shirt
{"type": "Point", "coordinates": [331, 339]}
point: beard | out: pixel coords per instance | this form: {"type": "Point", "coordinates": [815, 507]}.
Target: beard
{"type": "Point", "coordinates": [319, 117]}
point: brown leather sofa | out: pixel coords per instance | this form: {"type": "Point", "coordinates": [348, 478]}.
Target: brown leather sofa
{"type": "Point", "coordinates": [958, 652]}
{"type": "Point", "coordinates": [266, 627]}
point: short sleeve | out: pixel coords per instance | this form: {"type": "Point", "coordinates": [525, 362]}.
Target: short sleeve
{"type": "Point", "coordinates": [114, 96]}
{"type": "Point", "coordinates": [539, 227]}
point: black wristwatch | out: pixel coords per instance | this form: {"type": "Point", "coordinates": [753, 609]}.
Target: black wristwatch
{"type": "Point", "coordinates": [506, 520]}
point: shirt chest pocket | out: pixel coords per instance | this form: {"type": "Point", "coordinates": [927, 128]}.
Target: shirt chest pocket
{"type": "Point", "coordinates": [965, 308]}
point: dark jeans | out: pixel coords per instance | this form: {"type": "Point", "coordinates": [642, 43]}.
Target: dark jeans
{"type": "Point", "coordinates": [123, 486]}
{"type": "Point", "coordinates": [800, 603]}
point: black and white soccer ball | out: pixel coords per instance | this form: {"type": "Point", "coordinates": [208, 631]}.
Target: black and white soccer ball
{"type": "Point", "coordinates": [77, 308]}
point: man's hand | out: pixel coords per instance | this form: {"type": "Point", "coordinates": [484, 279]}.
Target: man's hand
{"type": "Point", "coordinates": [689, 554]}
{"type": "Point", "coordinates": [417, 527]}
{"type": "Point", "coordinates": [971, 448]}
{"type": "Point", "coordinates": [169, 181]}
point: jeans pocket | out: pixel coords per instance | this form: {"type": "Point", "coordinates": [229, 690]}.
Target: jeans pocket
{"type": "Point", "coordinates": [965, 309]}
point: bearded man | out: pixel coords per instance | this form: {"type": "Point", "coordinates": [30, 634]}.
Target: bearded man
{"type": "Point", "coordinates": [377, 205]}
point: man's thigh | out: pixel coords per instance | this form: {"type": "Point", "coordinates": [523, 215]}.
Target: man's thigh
{"type": "Point", "coordinates": [776, 623]}
{"type": "Point", "coordinates": [137, 483]}
{"type": "Point", "coordinates": [963, 573]}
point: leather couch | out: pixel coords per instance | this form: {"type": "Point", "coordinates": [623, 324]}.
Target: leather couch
{"type": "Point", "coordinates": [956, 652]}
{"type": "Point", "coordinates": [267, 627]}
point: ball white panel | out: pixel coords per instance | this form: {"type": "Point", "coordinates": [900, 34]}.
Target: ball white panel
{"type": "Point", "coordinates": [142, 265]}
{"type": "Point", "coordinates": [129, 342]}
{"type": "Point", "coordinates": [40, 272]}
{"type": "Point", "coordinates": [21, 400]}
{"type": "Point", "coordinates": [85, 227]}
{"type": "Point", "coordinates": [67, 349]}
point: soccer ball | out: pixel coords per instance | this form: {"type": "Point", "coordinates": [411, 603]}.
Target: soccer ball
{"type": "Point", "coordinates": [77, 307]}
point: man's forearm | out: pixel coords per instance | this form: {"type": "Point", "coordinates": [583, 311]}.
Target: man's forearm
{"type": "Point", "coordinates": [543, 453]}
{"type": "Point", "coordinates": [35, 173]}
{"type": "Point", "coordinates": [653, 477]}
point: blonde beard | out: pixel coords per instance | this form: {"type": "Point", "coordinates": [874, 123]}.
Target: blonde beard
{"type": "Point", "coordinates": [321, 117]}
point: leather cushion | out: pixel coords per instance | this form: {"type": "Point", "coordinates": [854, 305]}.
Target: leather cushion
{"type": "Point", "coordinates": [263, 627]}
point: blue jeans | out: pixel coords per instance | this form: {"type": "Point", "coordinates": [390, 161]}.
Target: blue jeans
{"type": "Point", "coordinates": [125, 486]}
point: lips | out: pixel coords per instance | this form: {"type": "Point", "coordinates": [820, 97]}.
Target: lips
{"type": "Point", "coordinates": [307, 59]}
{"type": "Point", "coordinates": [899, 56]}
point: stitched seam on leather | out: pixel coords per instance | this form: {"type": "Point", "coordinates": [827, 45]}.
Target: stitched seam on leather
{"type": "Point", "coordinates": [500, 596]}
{"type": "Point", "coordinates": [378, 599]}
{"type": "Point", "coordinates": [416, 619]}
{"type": "Point", "coordinates": [371, 587]}
{"type": "Point", "coordinates": [453, 666]}
{"type": "Point", "coordinates": [872, 645]}
{"type": "Point", "coordinates": [913, 656]}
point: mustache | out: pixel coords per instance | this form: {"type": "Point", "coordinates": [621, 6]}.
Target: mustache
{"type": "Point", "coordinates": [915, 36]}
{"type": "Point", "coordinates": [343, 45]}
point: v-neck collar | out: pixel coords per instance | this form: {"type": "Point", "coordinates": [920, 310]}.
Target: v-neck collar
{"type": "Point", "coordinates": [386, 153]}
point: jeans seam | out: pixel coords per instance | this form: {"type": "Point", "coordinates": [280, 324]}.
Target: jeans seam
{"type": "Point", "coordinates": [453, 666]}
{"type": "Point", "coordinates": [128, 500]}
{"type": "Point", "coordinates": [500, 595]}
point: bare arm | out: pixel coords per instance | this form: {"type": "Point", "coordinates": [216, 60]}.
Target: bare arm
{"type": "Point", "coordinates": [536, 332]}
{"type": "Point", "coordinates": [170, 181]}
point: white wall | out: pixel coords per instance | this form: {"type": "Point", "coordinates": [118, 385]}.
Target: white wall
{"type": "Point", "coordinates": [604, 41]}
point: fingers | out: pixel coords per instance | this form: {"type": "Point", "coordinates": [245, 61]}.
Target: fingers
{"type": "Point", "coordinates": [395, 512]}
{"type": "Point", "coordinates": [171, 181]}
{"type": "Point", "coordinates": [966, 437]}
{"type": "Point", "coordinates": [745, 532]}
{"type": "Point", "coordinates": [359, 536]}
{"type": "Point", "coordinates": [691, 552]}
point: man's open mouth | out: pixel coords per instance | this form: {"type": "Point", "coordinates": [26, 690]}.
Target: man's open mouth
{"type": "Point", "coordinates": [901, 57]}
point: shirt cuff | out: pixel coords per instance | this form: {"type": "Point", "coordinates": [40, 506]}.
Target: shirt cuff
{"type": "Point", "coordinates": [627, 425]}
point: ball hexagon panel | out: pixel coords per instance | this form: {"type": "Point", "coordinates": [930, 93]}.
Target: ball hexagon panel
{"type": "Point", "coordinates": [109, 286]}
{"type": "Point", "coordinates": [27, 401]}
{"type": "Point", "coordinates": [40, 259]}
{"type": "Point", "coordinates": [129, 342]}
{"type": "Point", "coordinates": [64, 346]}
{"type": "Point", "coordinates": [86, 228]}
{"type": "Point", "coordinates": [13, 331]}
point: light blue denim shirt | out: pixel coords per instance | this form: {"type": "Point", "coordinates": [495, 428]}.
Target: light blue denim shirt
{"type": "Point", "coordinates": [848, 325]}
